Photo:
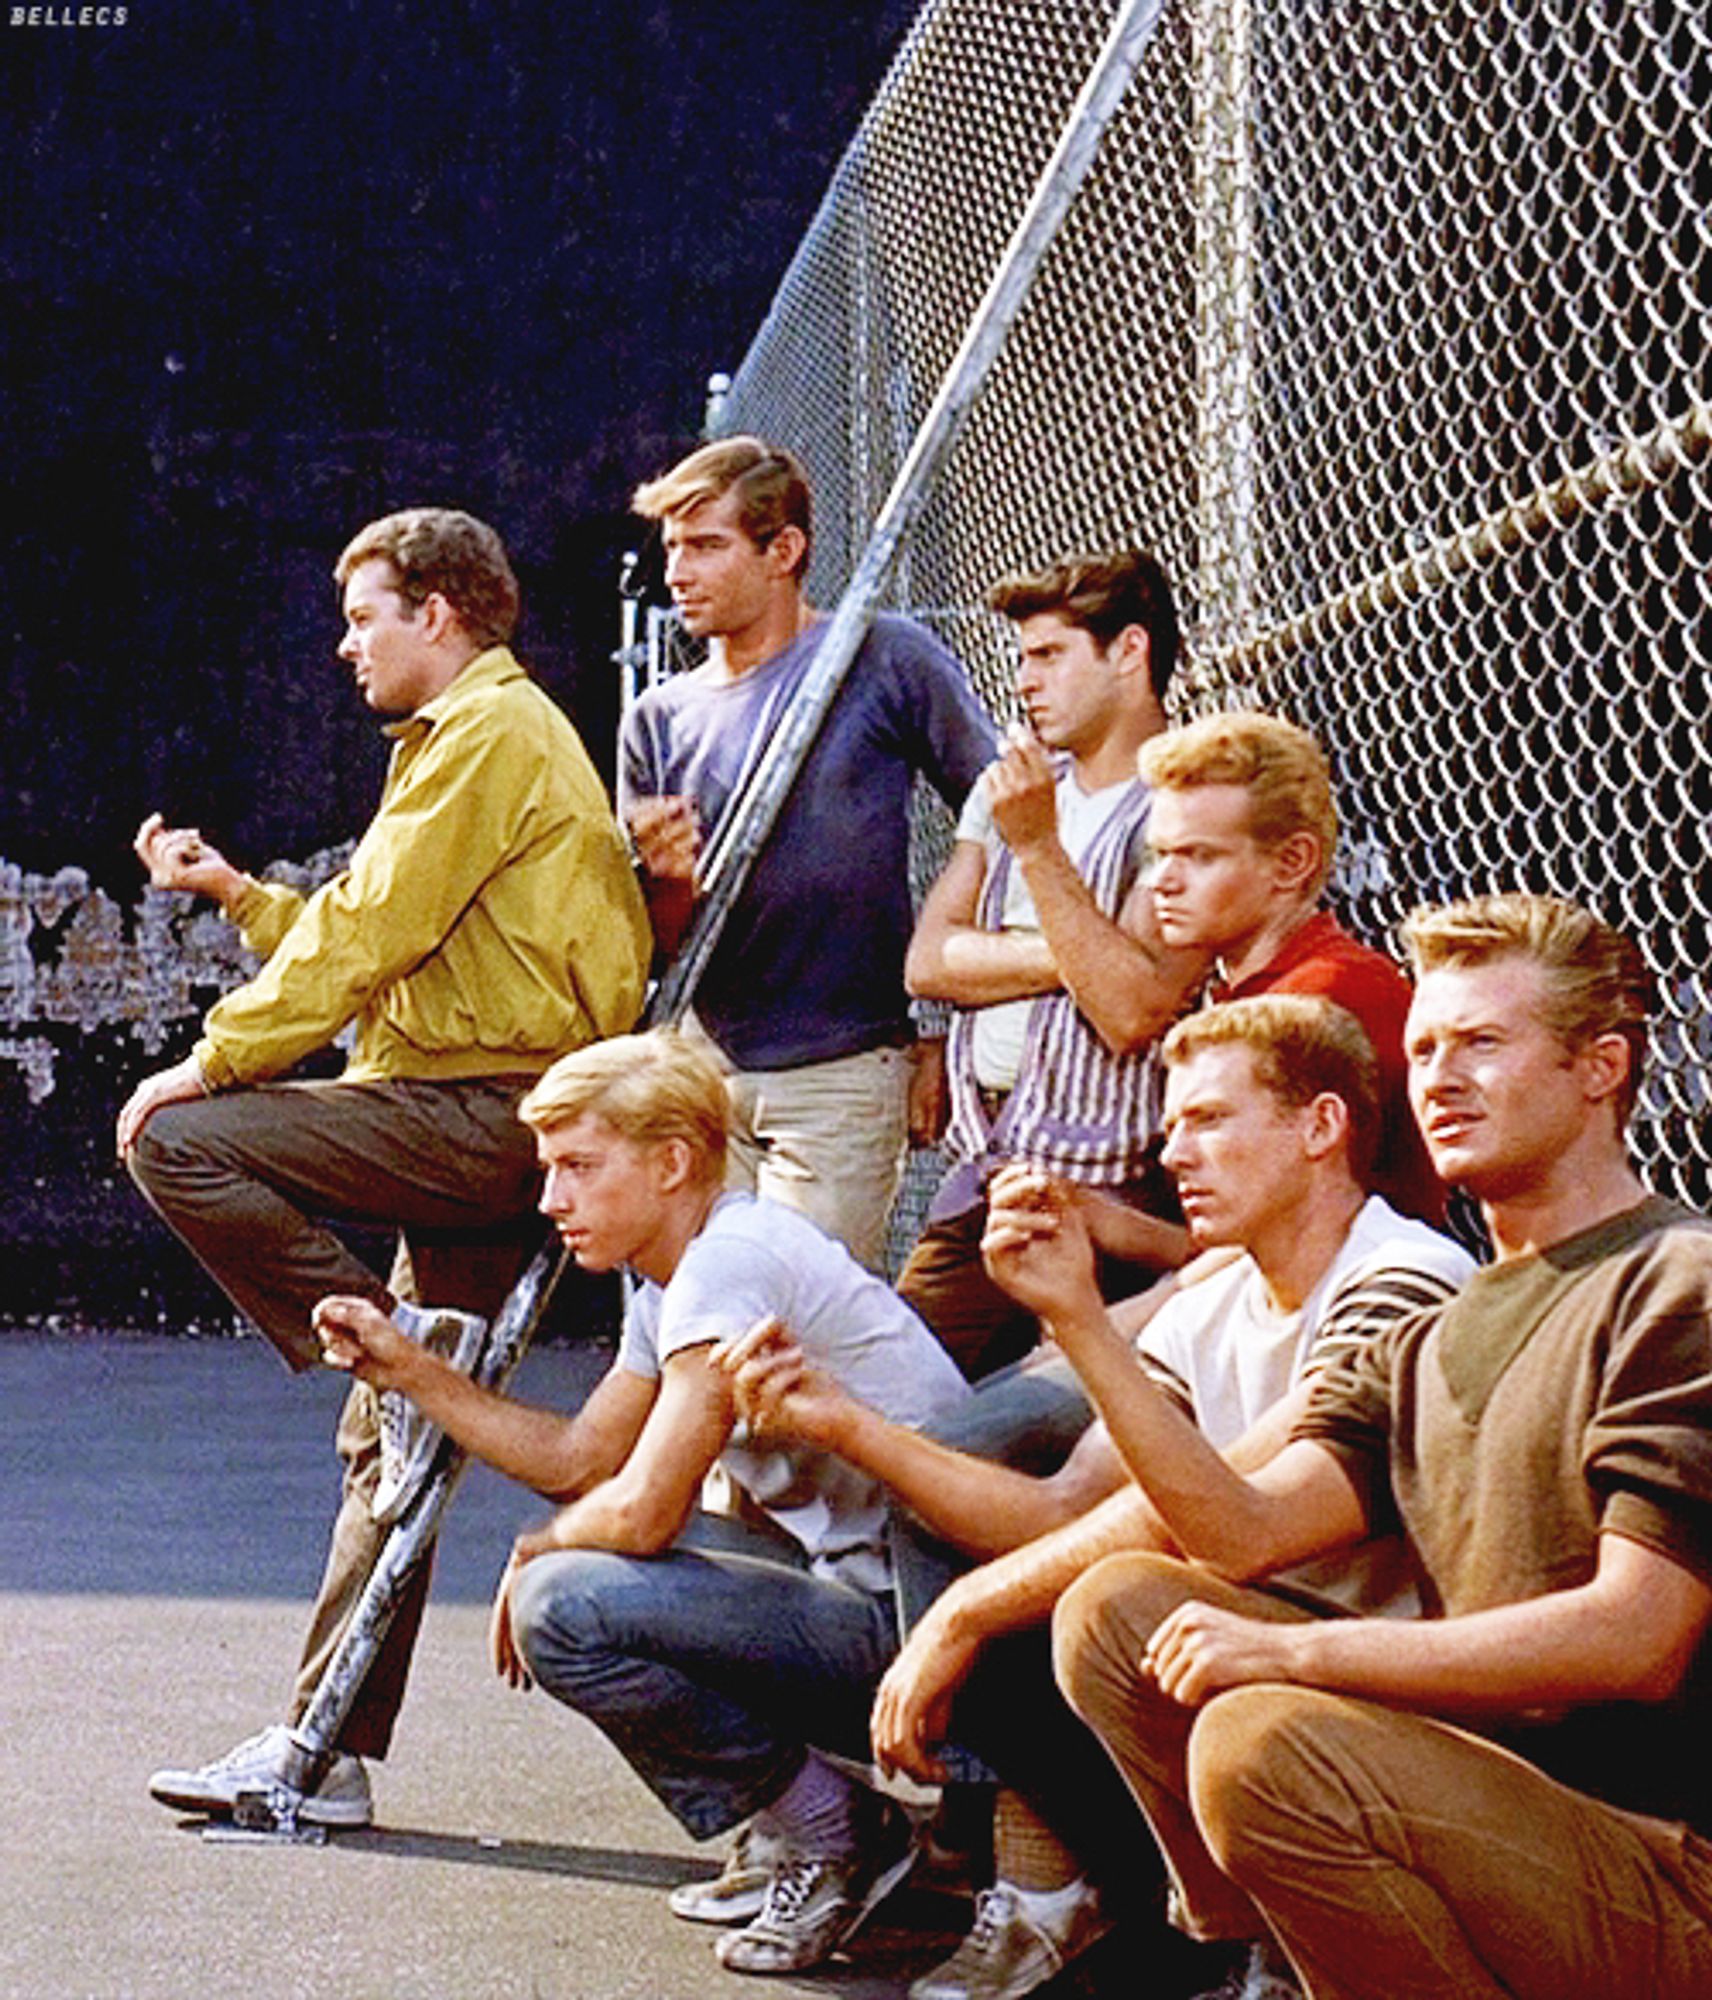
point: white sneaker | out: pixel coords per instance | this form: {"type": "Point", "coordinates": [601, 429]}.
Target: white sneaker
{"type": "Point", "coordinates": [1007, 1953]}
{"type": "Point", "coordinates": [341, 1799]}
{"type": "Point", "coordinates": [407, 1439]}
{"type": "Point", "coordinates": [815, 1903]}
{"type": "Point", "coordinates": [1266, 1975]}
{"type": "Point", "coordinates": [736, 1893]}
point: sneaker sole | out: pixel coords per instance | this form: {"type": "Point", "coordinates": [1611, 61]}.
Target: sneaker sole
{"type": "Point", "coordinates": [185, 1798]}
{"type": "Point", "coordinates": [695, 1904]}
{"type": "Point", "coordinates": [312, 1811]}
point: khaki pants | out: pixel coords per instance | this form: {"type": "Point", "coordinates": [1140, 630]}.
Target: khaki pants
{"type": "Point", "coordinates": [1393, 1856]}
{"type": "Point", "coordinates": [250, 1180]}
{"type": "Point", "coordinates": [827, 1139]}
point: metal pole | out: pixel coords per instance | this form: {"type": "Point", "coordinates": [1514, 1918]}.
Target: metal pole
{"type": "Point", "coordinates": [751, 820]}
{"type": "Point", "coordinates": [272, 1813]}
{"type": "Point", "coordinates": [1612, 480]}
{"type": "Point", "coordinates": [1225, 319]}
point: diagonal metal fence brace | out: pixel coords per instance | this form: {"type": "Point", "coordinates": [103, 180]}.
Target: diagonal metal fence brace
{"type": "Point", "coordinates": [751, 819]}
{"type": "Point", "coordinates": [273, 1813]}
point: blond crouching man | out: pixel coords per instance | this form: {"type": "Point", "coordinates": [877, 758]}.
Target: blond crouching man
{"type": "Point", "coordinates": [1499, 1798]}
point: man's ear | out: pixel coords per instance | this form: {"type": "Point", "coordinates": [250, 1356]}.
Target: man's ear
{"type": "Point", "coordinates": [1604, 1062]}
{"type": "Point", "coordinates": [1296, 861]}
{"type": "Point", "coordinates": [1131, 652]}
{"type": "Point", "coordinates": [787, 549]}
{"type": "Point", "coordinates": [1325, 1124]}
{"type": "Point", "coordinates": [674, 1165]}
{"type": "Point", "coordinates": [435, 616]}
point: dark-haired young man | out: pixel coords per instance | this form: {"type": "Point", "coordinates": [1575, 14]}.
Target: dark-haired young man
{"type": "Point", "coordinates": [1040, 931]}
{"type": "Point", "coordinates": [804, 996]}
{"type": "Point", "coordinates": [487, 922]}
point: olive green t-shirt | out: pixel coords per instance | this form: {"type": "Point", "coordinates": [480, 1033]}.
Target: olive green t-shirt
{"type": "Point", "coordinates": [1555, 1398]}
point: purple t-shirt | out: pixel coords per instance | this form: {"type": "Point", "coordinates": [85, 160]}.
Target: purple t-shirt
{"type": "Point", "coordinates": [810, 963]}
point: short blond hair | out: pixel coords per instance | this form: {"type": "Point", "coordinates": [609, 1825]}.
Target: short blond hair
{"type": "Point", "coordinates": [770, 484]}
{"type": "Point", "coordinates": [1302, 1047]}
{"type": "Point", "coordinates": [649, 1088]}
{"type": "Point", "coordinates": [1598, 982]}
{"type": "Point", "coordinates": [1282, 769]}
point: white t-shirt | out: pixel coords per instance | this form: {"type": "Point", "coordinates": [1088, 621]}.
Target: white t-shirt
{"type": "Point", "coordinates": [1227, 1355]}
{"type": "Point", "coordinates": [1000, 1031]}
{"type": "Point", "coordinates": [753, 1260]}
{"type": "Point", "coordinates": [1225, 1352]}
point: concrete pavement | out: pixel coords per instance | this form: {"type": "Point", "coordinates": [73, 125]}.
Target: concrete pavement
{"type": "Point", "coordinates": [163, 1506]}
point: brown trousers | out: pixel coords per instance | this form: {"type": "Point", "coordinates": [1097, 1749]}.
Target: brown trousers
{"type": "Point", "coordinates": [1395, 1857]}
{"type": "Point", "coordinates": [251, 1180]}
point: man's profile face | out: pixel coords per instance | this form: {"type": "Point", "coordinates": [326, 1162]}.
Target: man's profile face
{"type": "Point", "coordinates": [1213, 883]}
{"type": "Point", "coordinates": [721, 581]}
{"type": "Point", "coordinates": [385, 642]}
{"type": "Point", "coordinates": [1234, 1148]}
{"type": "Point", "coordinates": [1066, 683]}
{"type": "Point", "coordinates": [601, 1191]}
{"type": "Point", "coordinates": [1498, 1096]}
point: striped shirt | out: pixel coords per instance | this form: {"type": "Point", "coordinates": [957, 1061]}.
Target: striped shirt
{"type": "Point", "coordinates": [1077, 1108]}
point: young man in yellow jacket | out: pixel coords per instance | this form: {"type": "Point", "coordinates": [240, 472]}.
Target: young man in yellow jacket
{"type": "Point", "coordinates": [488, 921]}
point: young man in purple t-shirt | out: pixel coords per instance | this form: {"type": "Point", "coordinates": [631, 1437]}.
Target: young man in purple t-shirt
{"type": "Point", "coordinates": [803, 997]}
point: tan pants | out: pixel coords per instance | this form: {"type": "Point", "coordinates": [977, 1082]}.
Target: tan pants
{"type": "Point", "coordinates": [250, 1180]}
{"type": "Point", "coordinates": [827, 1139]}
{"type": "Point", "coordinates": [1393, 1856]}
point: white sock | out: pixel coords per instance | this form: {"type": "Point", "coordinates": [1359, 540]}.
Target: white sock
{"type": "Point", "coordinates": [1050, 1910]}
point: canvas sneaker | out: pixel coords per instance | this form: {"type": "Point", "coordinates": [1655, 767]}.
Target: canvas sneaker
{"type": "Point", "coordinates": [1264, 1975]}
{"type": "Point", "coordinates": [736, 1893]}
{"type": "Point", "coordinates": [1007, 1953]}
{"type": "Point", "coordinates": [815, 1903]}
{"type": "Point", "coordinates": [258, 1763]}
{"type": "Point", "coordinates": [407, 1439]}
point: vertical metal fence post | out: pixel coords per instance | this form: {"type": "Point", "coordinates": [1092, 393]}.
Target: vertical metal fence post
{"type": "Point", "coordinates": [1225, 295]}
{"type": "Point", "coordinates": [751, 819]}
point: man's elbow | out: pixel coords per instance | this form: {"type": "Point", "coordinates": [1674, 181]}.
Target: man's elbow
{"type": "Point", "coordinates": [1653, 1674]}
{"type": "Point", "coordinates": [638, 1525]}
{"type": "Point", "coordinates": [1128, 1028]}
{"type": "Point", "coordinates": [924, 971]}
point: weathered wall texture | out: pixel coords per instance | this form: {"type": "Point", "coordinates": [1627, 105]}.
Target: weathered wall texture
{"type": "Point", "coordinates": [93, 995]}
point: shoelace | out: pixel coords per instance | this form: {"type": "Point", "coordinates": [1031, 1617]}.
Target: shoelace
{"type": "Point", "coordinates": [992, 1908]}
{"type": "Point", "coordinates": [790, 1888]}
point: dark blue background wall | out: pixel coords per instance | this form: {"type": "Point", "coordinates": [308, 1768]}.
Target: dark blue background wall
{"type": "Point", "coordinates": [270, 270]}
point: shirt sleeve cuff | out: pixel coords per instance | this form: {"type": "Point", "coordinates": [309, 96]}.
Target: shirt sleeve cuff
{"type": "Point", "coordinates": [217, 1072]}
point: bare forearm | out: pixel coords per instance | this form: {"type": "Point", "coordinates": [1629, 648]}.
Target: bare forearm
{"type": "Point", "coordinates": [1122, 1230]}
{"type": "Point", "coordinates": [978, 1506]}
{"type": "Point", "coordinates": [1130, 988]}
{"type": "Point", "coordinates": [1209, 1510]}
{"type": "Point", "coordinates": [1564, 1649]}
{"type": "Point", "coordinates": [615, 1517]}
{"type": "Point", "coordinates": [540, 1449]}
{"type": "Point", "coordinates": [1021, 1588]}
{"type": "Point", "coordinates": [972, 967]}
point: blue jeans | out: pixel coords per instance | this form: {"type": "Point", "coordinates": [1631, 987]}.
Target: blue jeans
{"type": "Point", "coordinates": [711, 1667]}
{"type": "Point", "coordinates": [1027, 1416]}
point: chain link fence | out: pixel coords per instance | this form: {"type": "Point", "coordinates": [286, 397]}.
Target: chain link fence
{"type": "Point", "coordinates": [1386, 328]}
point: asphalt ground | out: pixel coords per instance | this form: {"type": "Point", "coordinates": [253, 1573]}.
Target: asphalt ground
{"type": "Point", "coordinates": [163, 1507]}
